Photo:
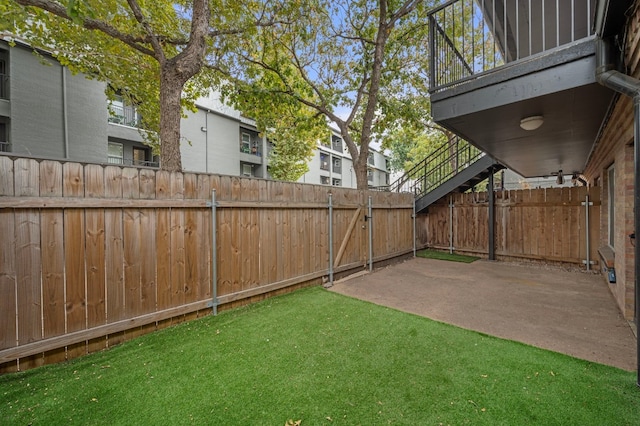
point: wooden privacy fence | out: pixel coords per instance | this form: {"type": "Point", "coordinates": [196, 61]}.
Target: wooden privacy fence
{"type": "Point", "coordinates": [542, 224]}
{"type": "Point", "coordinates": [91, 255]}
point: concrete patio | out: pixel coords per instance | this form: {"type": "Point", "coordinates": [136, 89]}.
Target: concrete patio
{"type": "Point", "coordinates": [548, 307]}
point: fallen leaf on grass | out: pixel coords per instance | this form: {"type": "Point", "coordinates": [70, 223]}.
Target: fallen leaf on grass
{"type": "Point", "coordinates": [290, 422]}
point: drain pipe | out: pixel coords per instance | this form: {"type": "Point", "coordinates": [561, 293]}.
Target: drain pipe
{"type": "Point", "coordinates": [608, 76]}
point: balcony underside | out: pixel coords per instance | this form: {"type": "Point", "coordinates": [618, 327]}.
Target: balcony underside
{"type": "Point", "coordinates": [558, 84]}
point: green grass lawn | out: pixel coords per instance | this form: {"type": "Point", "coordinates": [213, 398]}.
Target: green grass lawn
{"type": "Point", "coordinates": [441, 255]}
{"type": "Point", "coordinates": [320, 358]}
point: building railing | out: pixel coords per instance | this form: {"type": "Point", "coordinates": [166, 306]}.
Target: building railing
{"type": "Point", "coordinates": [4, 86]}
{"type": "Point", "coordinates": [251, 150]}
{"type": "Point", "coordinates": [441, 165]}
{"type": "Point", "coordinates": [126, 115]}
{"type": "Point", "coordinates": [5, 146]}
{"type": "Point", "coordinates": [469, 37]}
{"type": "Point", "coordinates": [131, 162]}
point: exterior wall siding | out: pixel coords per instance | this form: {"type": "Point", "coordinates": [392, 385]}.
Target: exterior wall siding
{"type": "Point", "coordinates": [216, 150]}
{"type": "Point", "coordinates": [40, 107]}
{"type": "Point", "coordinates": [38, 110]}
{"type": "Point", "coordinates": [36, 107]}
{"type": "Point", "coordinates": [615, 147]}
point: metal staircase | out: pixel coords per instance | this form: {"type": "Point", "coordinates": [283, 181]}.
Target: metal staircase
{"type": "Point", "coordinates": [456, 166]}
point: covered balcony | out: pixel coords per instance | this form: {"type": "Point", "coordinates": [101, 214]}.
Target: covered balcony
{"type": "Point", "coordinates": [516, 78]}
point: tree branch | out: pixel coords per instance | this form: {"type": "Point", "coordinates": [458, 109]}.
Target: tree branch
{"type": "Point", "coordinates": [89, 23]}
{"type": "Point", "coordinates": [153, 40]}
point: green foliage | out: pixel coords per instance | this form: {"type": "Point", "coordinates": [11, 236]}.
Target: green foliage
{"type": "Point", "coordinates": [131, 72]}
{"type": "Point", "coordinates": [356, 63]}
{"type": "Point", "coordinates": [292, 128]}
{"type": "Point", "coordinates": [320, 358]}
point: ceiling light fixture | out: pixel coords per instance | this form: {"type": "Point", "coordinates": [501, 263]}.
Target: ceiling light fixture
{"type": "Point", "coordinates": [532, 123]}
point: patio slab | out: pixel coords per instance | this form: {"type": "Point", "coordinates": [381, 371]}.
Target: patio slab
{"type": "Point", "coordinates": [548, 307]}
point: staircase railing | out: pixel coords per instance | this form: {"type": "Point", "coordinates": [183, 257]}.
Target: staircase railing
{"type": "Point", "coordinates": [441, 165]}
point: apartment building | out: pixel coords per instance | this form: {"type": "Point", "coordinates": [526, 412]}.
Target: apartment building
{"type": "Point", "coordinates": [46, 112]}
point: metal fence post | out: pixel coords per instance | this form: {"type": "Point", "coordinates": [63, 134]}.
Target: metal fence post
{"type": "Point", "coordinates": [214, 253]}
{"type": "Point", "coordinates": [330, 238]}
{"type": "Point", "coordinates": [450, 224]}
{"type": "Point", "coordinates": [370, 236]}
{"type": "Point", "coordinates": [414, 228]}
{"type": "Point", "coordinates": [586, 205]}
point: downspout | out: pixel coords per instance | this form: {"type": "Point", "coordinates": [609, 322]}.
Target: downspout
{"type": "Point", "coordinates": [608, 76]}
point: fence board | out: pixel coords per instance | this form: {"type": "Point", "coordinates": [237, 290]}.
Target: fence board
{"type": "Point", "coordinates": [163, 243]}
{"type": "Point", "coordinates": [28, 260]}
{"type": "Point", "coordinates": [52, 239]}
{"type": "Point", "coordinates": [8, 284]}
{"type": "Point", "coordinates": [538, 224]}
{"type": "Point", "coordinates": [95, 256]}
{"type": "Point", "coordinates": [8, 335]}
{"type": "Point", "coordinates": [88, 249]}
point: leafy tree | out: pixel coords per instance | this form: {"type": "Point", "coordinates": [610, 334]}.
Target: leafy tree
{"type": "Point", "coordinates": [153, 51]}
{"type": "Point", "coordinates": [358, 63]}
{"type": "Point", "coordinates": [292, 128]}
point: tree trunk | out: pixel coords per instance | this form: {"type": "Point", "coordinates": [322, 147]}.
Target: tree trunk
{"type": "Point", "coordinates": [174, 73]}
{"type": "Point", "coordinates": [360, 168]}
{"type": "Point", "coordinates": [170, 115]}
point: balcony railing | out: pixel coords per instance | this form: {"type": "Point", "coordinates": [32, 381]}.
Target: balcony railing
{"type": "Point", "coordinates": [4, 86]}
{"type": "Point", "coordinates": [469, 37]}
{"type": "Point", "coordinates": [131, 162]}
{"type": "Point", "coordinates": [125, 115]}
{"type": "Point", "coordinates": [5, 147]}
{"type": "Point", "coordinates": [253, 149]}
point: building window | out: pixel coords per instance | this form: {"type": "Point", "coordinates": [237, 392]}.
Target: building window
{"type": "Point", "coordinates": [337, 165]}
{"type": "Point", "coordinates": [4, 76]}
{"type": "Point", "coordinates": [336, 143]}
{"type": "Point", "coordinates": [140, 157]}
{"type": "Point", "coordinates": [247, 170]}
{"type": "Point", "coordinates": [370, 159]}
{"type": "Point", "coordinates": [611, 207]}
{"type": "Point", "coordinates": [337, 182]}
{"type": "Point", "coordinates": [370, 175]}
{"type": "Point", "coordinates": [4, 140]}
{"type": "Point", "coordinates": [115, 152]}
{"type": "Point", "coordinates": [324, 162]}
{"type": "Point", "coordinates": [245, 143]}
{"type": "Point", "coordinates": [324, 180]}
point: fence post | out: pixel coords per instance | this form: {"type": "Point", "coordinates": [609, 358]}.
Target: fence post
{"type": "Point", "coordinates": [330, 239]}
{"type": "Point", "coordinates": [214, 253]}
{"type": "Point", "coordinates": [370, 236]}
{"type": "Point", "coordinates": [586, 203]}
{"type": "Point", "coordinates": [492, 209]}
{"type": "Point", "coordinates": [414, 228]}
{"type": "Point", "coordinates": [214, 247]}
{"type": "Point", "coordinates": [450, 224]}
